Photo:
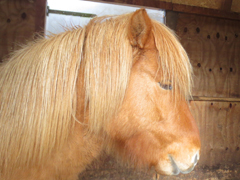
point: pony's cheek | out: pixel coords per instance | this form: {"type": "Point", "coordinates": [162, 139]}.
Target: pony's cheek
{"type": "Point", "coordinates": [142, 149]}
{"type": "Point", "coordinates": [122, 128]}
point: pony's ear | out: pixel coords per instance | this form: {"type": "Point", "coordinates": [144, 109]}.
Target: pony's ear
{"type": "Point", "coordinates": [139, 29]}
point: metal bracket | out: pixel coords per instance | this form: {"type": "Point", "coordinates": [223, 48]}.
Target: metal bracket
{"type": "Point", "coordinates": [71, 13]}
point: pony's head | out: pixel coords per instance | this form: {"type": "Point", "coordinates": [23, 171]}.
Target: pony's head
{"type": "Point", "coordinates": [151, 124]}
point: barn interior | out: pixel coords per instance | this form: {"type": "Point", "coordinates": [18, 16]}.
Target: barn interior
{"type": "Point", "coordinates": [209, 30]}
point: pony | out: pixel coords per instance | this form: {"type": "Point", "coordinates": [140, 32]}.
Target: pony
{"type": "Point", "coordinates": [120, 84]}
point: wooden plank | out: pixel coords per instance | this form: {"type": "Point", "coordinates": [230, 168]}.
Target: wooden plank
{"type": "Point", "coordinates": [198, 98]}
{"type": "Point", "coordinates": [213, 47]}
{"type": "Point", "coordinates": [219, 126]}
{"type": "Point", "coordinates": [16, 24]}
{"type": "Point", "coordinates": [211, 4]}
{"type": "Point", "coordinates": [19, 21]}
{"type": "Point", "coordinates": [215, 10]}
{"type": "Point", "coordinates": [205, 11]}
{"type": "Point", "coordinates": [40, 16]}
{"type": "Point", "coordinates": [163, 4]}
{"type": "Point", "coordinates": [226, 5]}
{"type": "Point", "coordinates": [235, 6]}
{"type": "Point", "coordinates": [171, 19]}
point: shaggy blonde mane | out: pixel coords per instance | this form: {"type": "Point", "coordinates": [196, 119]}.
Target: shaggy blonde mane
{"type": "Point", "coordinates": [174, 63]}
{"type": "Point", "coordinates": [38, 85]}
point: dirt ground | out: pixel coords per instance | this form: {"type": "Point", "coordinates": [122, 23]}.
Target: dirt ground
{"type": "Point", "coordinates": [106, 168]}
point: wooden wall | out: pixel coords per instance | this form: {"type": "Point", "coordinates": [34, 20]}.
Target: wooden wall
{"type": "Point", "coordinates": [213, 45]}
{"type": "Point", "coordinates": [19, 21]}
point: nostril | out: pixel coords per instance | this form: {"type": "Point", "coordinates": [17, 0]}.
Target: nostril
{"type": "Point", "coordinates": [175, 170]}
{"type": "Point", "coordinates": [196, 158]}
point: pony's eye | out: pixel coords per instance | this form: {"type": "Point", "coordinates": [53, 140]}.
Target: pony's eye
{"type": "Point", "coordinates": [166, 86]}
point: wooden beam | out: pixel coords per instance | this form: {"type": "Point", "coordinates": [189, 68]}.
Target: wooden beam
{"type": "Point", "coordinates": [146, 3]}
{"type": "Point", "coordinates": [205, 11]}
{"type": "Point", "coordinates": [224, 12]}
{"type": "Point", "coordinates": [226, 5]}
{"type": "Point", "coordinates": [219, 99]}
{"type": "Point", "coordinates": [40, 16]}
